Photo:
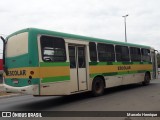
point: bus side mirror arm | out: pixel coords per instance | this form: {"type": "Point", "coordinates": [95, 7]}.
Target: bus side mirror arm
{"type": "Point", "coordinates": [158, 53]}
{"type": "Point", "coordinates": [4, 46]}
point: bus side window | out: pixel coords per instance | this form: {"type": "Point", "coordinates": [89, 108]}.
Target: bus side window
{"type": "Point", "coordinates": [53, 49]}
{"type": "Point", "coordinates": [93, 51]}
{"type": "Point", "coordinates": [135, 54]}
{"type": "Point", "coordinates": [72, 56]}
{"type": "Point", "coordinates": [122, 53]}
{"type": "Point", "coordinates": [81, 57]}
{"type": "Point", "coordinates": [146, 55]}
{"type": "Point", "coordinates": [106, 52]}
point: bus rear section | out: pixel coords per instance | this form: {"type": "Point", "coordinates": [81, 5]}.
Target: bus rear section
{"type": "Point", "coordinates": [20, 76]}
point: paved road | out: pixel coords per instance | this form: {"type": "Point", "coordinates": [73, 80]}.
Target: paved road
{"type": "Point", "coordinates": [124, 98]}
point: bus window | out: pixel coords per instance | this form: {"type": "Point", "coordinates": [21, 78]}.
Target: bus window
{"type": "Point", "coordinates": [135, 54]}
{"type": "Point", "coordinates": [81, 57]}
{"type": "Point", "coordinates": [93, 51]}
{"type": "Point", "coordinates": [145, 55]}
{"type": "Point", "coordinates": [105, 52]}
{"type": "Point", "coordinates": [53, 49]}
{"type": "Point", "coordinates": [122, 53]}
{"type": "Point", "coordinates": [72, 54]}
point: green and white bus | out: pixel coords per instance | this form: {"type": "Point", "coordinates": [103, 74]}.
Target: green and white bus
{"type": "Point", "coordinates": [42, 62]}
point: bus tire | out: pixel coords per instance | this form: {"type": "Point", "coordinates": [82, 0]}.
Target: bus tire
{"type": "Point", "coordinates": [98, 86]}
{"type": "Point", "coordinates": [147, 79]}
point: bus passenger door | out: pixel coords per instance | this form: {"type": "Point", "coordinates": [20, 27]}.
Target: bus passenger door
{"type": "Point", "coordinates": [153, 55]}
{"type": "Point", "coordinates": [78, 72]}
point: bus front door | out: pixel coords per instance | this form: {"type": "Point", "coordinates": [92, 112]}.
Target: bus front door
{"type": "Point", "coordinates": [78, 72]}
{"type": "Point", "coordinates": [154, 63]}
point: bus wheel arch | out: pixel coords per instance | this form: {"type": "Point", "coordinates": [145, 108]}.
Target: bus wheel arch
{"type": "Point", "coordinates": [98, 85]}
{"type": "Point", "coordinates": [147, 78]}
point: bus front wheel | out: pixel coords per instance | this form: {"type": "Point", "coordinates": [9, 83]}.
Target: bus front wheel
{"type": "Point", "coordinates": [147, 79]}
{"type": "Point", "coordinates": [98, 86]}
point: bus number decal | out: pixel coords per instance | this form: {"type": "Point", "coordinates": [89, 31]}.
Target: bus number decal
{"type": "Point", "coordinates": [124, 67]}
{"type": "Point", "coordinates": [17, 73]}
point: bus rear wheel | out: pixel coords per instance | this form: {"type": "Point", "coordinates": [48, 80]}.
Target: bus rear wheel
{"type": "Point", "coordinates": [147, 79]}
{"type": "Point", "coordinates": [98, 86]}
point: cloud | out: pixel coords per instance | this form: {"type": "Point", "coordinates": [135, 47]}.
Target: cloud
{"type": "Point", "coordinates": [95, 18]}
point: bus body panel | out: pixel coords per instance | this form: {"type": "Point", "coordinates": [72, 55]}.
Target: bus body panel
{"type": "Point", "coordinates": [57, 78]}
{"type": "Point", "coordinates": [19, 64]}
{"type": "Point", "coordinates": [116, 74]}
{"type": "Point", "coordinates": [29, 73]}
{"type": "Point", "coordinates": [54, 78]}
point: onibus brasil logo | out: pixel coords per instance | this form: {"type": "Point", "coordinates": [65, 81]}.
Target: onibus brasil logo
{"type": "Point", "coordinates": [20, 114]}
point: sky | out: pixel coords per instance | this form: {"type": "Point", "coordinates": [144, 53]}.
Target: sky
{"type": "Point", "coordinates": [93, 18]}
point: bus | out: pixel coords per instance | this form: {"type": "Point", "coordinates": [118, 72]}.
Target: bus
{"type": "Point", "coordinates": [43, 62]}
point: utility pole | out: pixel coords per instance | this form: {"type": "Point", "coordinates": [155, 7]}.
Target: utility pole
{"type": "Point", "coordinates": [125, 27]}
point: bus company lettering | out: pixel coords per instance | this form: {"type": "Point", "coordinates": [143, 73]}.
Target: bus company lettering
{"type": "Point", "coordinates": [17, 73]}
{"type": "Point", "coordinates": [124, 67]}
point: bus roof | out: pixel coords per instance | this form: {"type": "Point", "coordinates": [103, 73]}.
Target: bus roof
{"type": "Point", "coordinates": [73, 36]}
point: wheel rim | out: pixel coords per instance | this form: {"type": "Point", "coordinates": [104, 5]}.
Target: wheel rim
{"type": "Point", "coordinates": [98, 87]}
{"type": "Point", "coordinates": [147, 79]}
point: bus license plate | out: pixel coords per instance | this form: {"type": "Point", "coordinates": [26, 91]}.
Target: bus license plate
{"type": "Point", "coordinates": [15, 81]}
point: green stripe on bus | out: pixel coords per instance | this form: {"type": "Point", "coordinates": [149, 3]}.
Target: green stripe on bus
{"type": "Point", "coordinates": [48, 64]}
{"type": "Point", "coordinates": [110, 74]}
{"type": "Point", "coordinates": [105, 63]}
{"type": "Point", "coordinates": [117, 63]}
{"type": "Point", "coordinates": [55, 79]}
